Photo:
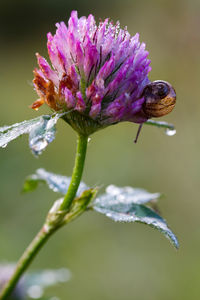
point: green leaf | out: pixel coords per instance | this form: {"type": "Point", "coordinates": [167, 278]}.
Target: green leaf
{"type": "Point", "coordinates": [9, 133]}
{"type": "Point", "coordinates": [170, 129]}
{"type": "Point", "coordinates": [128, 194]}
{"type": "Point", "coordinates": [41, 132]}
{"type": "Point", "coordinates": [31, 183]}
{"type": "Point", "coordinates": [55, 182]}
{"type": "Point", "coordinates": [125, 205]}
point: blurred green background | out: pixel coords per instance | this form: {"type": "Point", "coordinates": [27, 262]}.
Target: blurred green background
{"type": "Point", "coordinates": [109, 261]}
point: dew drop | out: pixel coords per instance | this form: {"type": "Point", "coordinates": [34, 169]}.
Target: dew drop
{"type": "Point", "coordinates": [170, 132]}
{"type": "Point", "coordinates": [38, 144]}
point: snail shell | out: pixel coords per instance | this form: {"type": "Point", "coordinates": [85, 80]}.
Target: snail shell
{"type": "Point", "coordinates": [160, 99]}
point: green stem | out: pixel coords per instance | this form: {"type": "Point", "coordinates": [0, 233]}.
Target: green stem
{"type": "Point", "coordinates": [77, 172]}
{"type": "Point", "coordinates": [25, 261]}
{"type": "Point", "coordinates": [46, 231]}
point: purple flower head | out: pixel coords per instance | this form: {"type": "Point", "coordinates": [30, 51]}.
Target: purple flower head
{"type": "Point", "coordinates": [99, 74]}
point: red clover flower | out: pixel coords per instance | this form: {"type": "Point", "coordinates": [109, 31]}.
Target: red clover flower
{"type": "Point", "coordinates": [100, 74]}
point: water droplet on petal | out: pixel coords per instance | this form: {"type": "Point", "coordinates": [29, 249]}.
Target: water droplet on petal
{"type": "Point", "coordinates": [170, 132]}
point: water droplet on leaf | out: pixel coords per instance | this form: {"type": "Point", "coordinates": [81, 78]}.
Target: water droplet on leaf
{"type": "Point", "coordinates": [170, 132]}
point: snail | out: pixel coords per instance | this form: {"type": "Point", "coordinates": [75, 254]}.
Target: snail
{"type": "Point", "coordinates": [160, 99]}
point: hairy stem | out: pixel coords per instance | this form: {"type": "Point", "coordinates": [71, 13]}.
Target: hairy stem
{"type": "Point", "coordinates": [46, 231]}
